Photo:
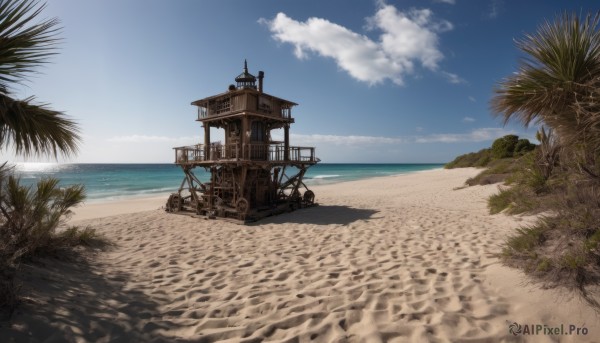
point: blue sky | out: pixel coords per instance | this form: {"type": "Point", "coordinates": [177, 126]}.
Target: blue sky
{"type": "Point", "coordinates": [376, 81]}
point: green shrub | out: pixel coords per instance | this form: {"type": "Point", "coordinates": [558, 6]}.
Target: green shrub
{"type": "Point", "coordinates": [544, 265]}
{"type": "Point", "coordinates": [483, 161]}
{"type": "Point", "coordinates": [505, 146]}
{"type": "Point", "coordinates": [562, 249]}
{"type": "Point", "coordinates": [547, 153]}
{"type": "Point", "coordinates": [514, 200]}
{"type": "Point", "coordinates": [473, 159]}
{"type": "Point", "coordinates": [500, 201]}
{"type": "Point", "coordinates": [557, 85]}
{"type": "Point", "coordinates": [573, 261]}
{"type": "Point", "coordinates": [30, 218]}
{"type": "Point", "coordinates": [32, 215]}
{"type": "Point", "coordinates": [525, 240]}
{"type": "Point", "coordinates": [523, 146]}
{"type": "Point", "coordinates": [592, 242]}
{"type": "Point", "coordinates": [484, 178]}
{"type": "Point", "coordinates": [498, 170]}
{"type": "Point", "coordinates": [530, 174]}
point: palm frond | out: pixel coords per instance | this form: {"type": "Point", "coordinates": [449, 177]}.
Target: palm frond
{"type": "Point", "coordinates": [24, 45]}
{"type": "Point", "coordinates": [34, 129]}
{"type": "Point", "coordinates": [560, 73]}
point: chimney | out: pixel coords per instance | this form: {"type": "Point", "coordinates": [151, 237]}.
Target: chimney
{"type": "Point", "coordinates": [261, 76]}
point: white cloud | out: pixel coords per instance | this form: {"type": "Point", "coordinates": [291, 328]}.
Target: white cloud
{"type": "Point", "coordinates": [478, 135]}
{"type": "Point", "coordinates": [346, 140]}
{"type": "Point", "coordinates": [468, 119]}
{"type": "Point", "coordinates": [406, 37]}
{"type": "Point", "coordinates": [495, 8]}
{"type": "Point", "coordinates": [453, 78]}
{"type": "Point", "coordinates": [451, 2]}
{"type": "Point", "coordinates": [419, 129]}
{"type": "Point", "coordinates": [472, 99]}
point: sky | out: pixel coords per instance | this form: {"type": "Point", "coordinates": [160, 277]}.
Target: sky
{"type": "Point", "coordinates": [376, 81]}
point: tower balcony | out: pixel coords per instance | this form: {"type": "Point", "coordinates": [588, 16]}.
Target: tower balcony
{"type": "Point", "coordinates": [201, 154]}
{"type": "Point", "coordinates": [244, 101]}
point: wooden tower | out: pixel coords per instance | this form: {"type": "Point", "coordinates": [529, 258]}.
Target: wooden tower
{"type": "Point", "coordinates": [252, 176]}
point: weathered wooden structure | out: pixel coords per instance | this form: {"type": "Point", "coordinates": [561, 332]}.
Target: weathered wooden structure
{"type": "Point", "coordinates": [252, 176]}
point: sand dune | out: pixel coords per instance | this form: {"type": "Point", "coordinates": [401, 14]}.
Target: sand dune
{"type": "Point", "coordinates": [394, 259]}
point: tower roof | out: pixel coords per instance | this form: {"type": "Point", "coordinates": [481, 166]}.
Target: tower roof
{"type": "Point", "coordinates": [245, 76]}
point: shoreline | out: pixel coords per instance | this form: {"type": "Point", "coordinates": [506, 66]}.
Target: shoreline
{"type": "Point", "coordinates": [402, 258]}
{"type": "Point", "coordinates": [105, 184]}
{"type": "Point", "coordinates": [98, 208]}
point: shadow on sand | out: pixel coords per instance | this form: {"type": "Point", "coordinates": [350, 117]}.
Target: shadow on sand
{"type": "Point", "coordinates": [78, 300]}
{"type": "Point", "coordinates": [321, 215]}
{"type": "Point", "coordinates": [72, 301]}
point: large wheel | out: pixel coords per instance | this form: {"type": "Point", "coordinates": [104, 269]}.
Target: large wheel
{"type": "Point", "coordinates": [242, 206]}
{"type": "Point", "coordinates": [309, 197]}
{"type": "Point", "coordinates": [175, 203]}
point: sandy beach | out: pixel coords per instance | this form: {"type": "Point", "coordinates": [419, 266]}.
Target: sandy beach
{"type": "Point", "coordinates": [406, 258]}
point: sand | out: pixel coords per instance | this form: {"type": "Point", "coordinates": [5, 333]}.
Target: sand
{"type": "Point", "coordinates": [407, 258]}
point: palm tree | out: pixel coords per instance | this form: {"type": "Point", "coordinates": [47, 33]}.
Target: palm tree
{"type": "Point", "coordinates": [558, 82]}
{"type": "Point", "coordinates": [29, 218]}
{"type": "Point", "coordinates": [26, 43]}
{"type": "Point", "coordinates": [558, 85]}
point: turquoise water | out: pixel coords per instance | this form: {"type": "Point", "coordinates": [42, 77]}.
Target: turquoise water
{"type": "Point", "coordinates": [117, 181]}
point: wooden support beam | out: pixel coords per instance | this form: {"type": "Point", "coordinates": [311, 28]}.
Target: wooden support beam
{"type": "Point", "coordinates": [211, 194]}
{"type": "Point", "coordinates": [245, 138]}
{"type": "Point", "coordinates": [286, 142]}
{"type": "Point", "coordinates": [206, 142]}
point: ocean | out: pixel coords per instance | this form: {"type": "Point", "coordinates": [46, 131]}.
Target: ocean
{"type": "Point", "coordinates": [119, 181]}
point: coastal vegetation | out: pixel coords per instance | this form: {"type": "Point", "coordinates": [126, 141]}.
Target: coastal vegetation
{"type": "Point", "coordinates": [557, 87]}
{"type": "Point", "coordinates": [501, 160]}
{"type": "Point", "coordinates": [31, 218]}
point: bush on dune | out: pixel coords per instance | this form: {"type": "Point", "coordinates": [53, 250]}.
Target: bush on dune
{"type": "Point", "coordinates": [498, 170]}
{"type": "Point", "coordinates": [513, 200]}
{"type": "Point", "coordinates": [523, 146]}
{"type": "Point", "coordinates": [31, 219]}
{"type": "Point", "coordinates": [558, 85]}
{"type": "Point", "coordinates": [474, 159]}
{"type": "Point", "coordinates": [500, 161]}
{"type": "Point", "coordinates": [505, 146]}
{"type": "Point", "coordinates": [562, 249]}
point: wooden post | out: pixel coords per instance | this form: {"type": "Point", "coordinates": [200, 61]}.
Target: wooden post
{"type": "Point", "coordinates": [244, 138]}
{"type": "Point", "coordinates": [286, 143]}
{"type": "Point", "coordinates": [211, 189]}
{"type": "Point", "coordinates": [206, 142]}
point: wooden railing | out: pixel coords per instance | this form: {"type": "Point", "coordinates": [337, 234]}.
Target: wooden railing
{"type": "Point", "coordinates": [187, 154]}
{"type": "Point", "coordinates": [233, 103]}
{"type": "Point", "coordinates": [251, 152]}
{"type": "Point", "coordinates": [202, 112]}
{"type": "Point", "coordinates": [257, 152]}
{"type": "Point", "coordinates": [286, 112]}
{"type": "Point", "coordinates": [302, 154]}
